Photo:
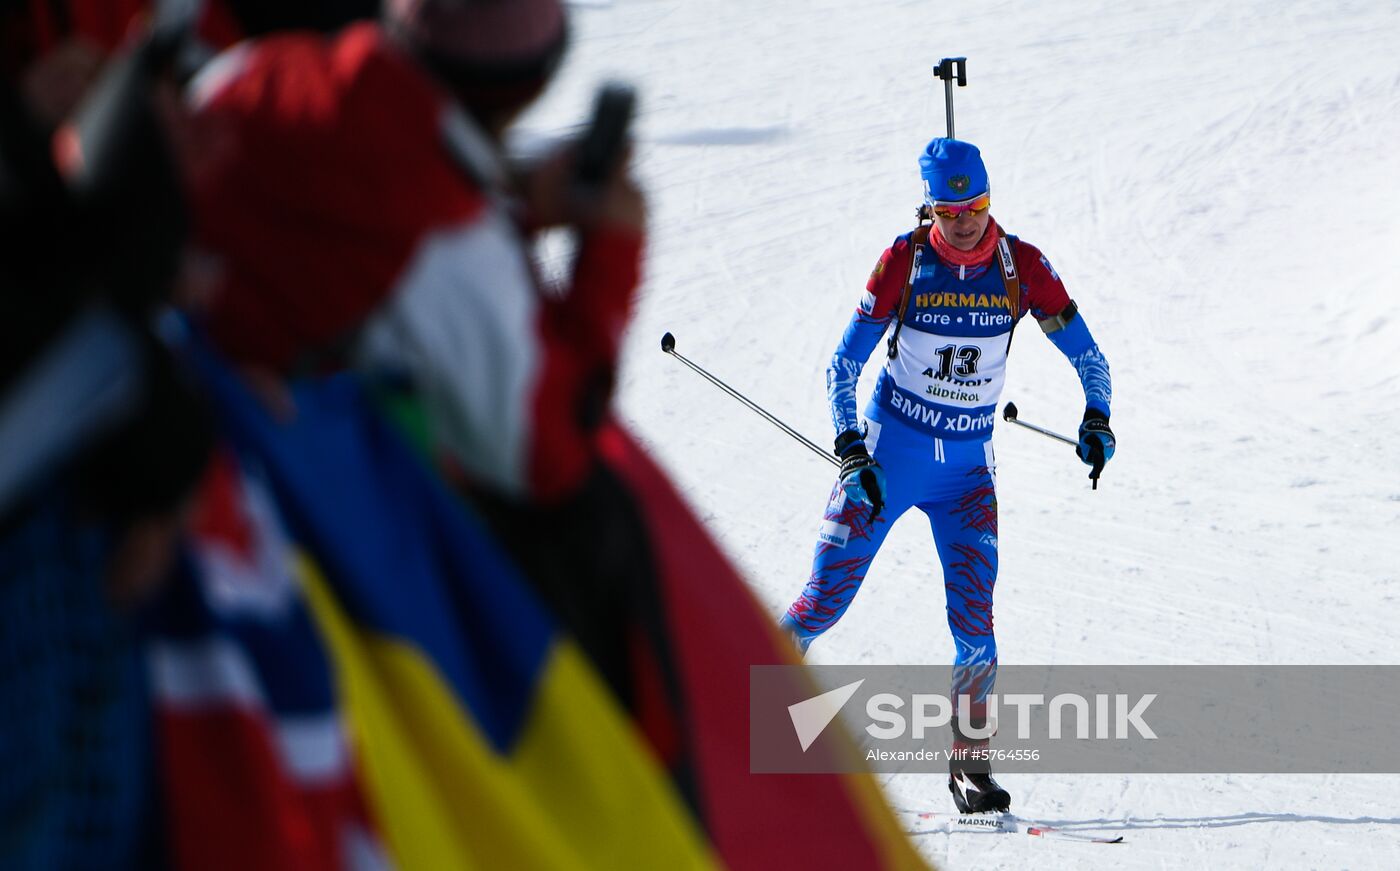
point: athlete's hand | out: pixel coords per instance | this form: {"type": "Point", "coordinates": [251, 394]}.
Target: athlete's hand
{"type": "Point", "coordinates": [1096, 441]}
{"type": "Point", "coordinates": [861, 477]}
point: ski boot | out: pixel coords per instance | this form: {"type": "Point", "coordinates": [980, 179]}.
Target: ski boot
{"type": "Point", "coordinates": [970, 779]}
{"type": "Point", "coordinates": [975, 792]}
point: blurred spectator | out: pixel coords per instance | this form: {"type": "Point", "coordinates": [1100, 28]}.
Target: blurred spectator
{"type": "Point", "coordinates": [54, 49]}
{"type": "Point", "coordinates": [101, 437]}
{"type": "Point", "coordinates": [419, 265]}
{"type": "Point", "coordinates": [363, 216]}
{"type": "Point", "coordinates": [419, 270]}
{"type": "Point", "coordinates": [101, 441]}
{"type": "Point", "coordinates": [261, 17]}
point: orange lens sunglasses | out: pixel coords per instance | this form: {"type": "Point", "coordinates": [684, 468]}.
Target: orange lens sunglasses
{"type": "Point", "coordinates": [953, 211]}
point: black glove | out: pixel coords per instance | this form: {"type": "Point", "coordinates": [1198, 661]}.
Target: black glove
{"type": "Point", "coordinates": [1096, 442]}
{"type": "Point", "coordinates": [861, 477]}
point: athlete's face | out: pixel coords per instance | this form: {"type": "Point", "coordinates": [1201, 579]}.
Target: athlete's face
{"type": "Point", "coordinates": [964, 231]}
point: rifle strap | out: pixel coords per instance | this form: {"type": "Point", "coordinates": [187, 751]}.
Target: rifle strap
{"type": "Point", "coordinates": [1011, 279]}
{"type": "Point", "coordinates": [1009, 276]}
{"type": "Point", "coordinates": [917, 240]}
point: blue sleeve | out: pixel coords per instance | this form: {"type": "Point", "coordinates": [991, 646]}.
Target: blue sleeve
{"type": "Point", "coordinates": [862, 335]}
{"type": "Point", "coordinates": [1077, 344]}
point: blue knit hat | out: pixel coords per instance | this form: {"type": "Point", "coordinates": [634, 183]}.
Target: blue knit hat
{"type": "Point", "coordinates": [952, 171]}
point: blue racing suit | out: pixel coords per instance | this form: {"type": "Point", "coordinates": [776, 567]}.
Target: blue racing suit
{"type": "Point", "coordinates": [929, 426]}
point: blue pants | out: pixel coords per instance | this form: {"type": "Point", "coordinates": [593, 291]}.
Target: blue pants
{"type": "Point", "coordinates": [953, 483]}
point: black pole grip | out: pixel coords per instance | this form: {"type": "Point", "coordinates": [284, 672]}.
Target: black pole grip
{"type": "Point", "coordinates": [868, 483]}
{"type": "Point", "coordinates": [952, 69]}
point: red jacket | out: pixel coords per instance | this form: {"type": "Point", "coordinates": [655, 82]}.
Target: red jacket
{"type": "Point", "coordinates": [350, 206]}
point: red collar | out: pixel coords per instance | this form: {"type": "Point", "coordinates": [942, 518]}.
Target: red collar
{"type": "Point", "coordinates": [956, 256]}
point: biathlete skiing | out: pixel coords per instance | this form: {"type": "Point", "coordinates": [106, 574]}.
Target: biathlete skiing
{"type": "Point", "coordinates": [949, 294]}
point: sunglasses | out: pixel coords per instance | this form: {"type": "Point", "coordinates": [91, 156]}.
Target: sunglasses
{"type": "Point", "coordinates": [953, 211]}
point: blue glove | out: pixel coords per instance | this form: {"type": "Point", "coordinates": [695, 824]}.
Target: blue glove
{"type": "Point", "coordinates": [861, 477]}
{"type": "Point", "coordinates": [1096, 442]}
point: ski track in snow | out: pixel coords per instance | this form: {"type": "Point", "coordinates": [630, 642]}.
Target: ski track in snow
{"type": "Point", "coordinates": [1216, 184]}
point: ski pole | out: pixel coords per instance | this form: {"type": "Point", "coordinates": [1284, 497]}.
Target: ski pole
{"type": "Point", "coordinates": [1009, 414]}
{"type": "Point", "coordinates": [668, 345]}
{"type": "Point", "coordinates": [949, 69]}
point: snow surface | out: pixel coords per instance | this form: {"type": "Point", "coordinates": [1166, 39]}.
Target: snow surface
{"type": "Point", "coordinates": [1217, 185]}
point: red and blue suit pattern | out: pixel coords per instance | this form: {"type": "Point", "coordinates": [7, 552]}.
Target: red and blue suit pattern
{"type": "Point", "coordinates": [928, 424]}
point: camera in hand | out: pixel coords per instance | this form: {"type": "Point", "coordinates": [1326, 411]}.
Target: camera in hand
{"type": "Point", "coordinates": [604, 142]}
